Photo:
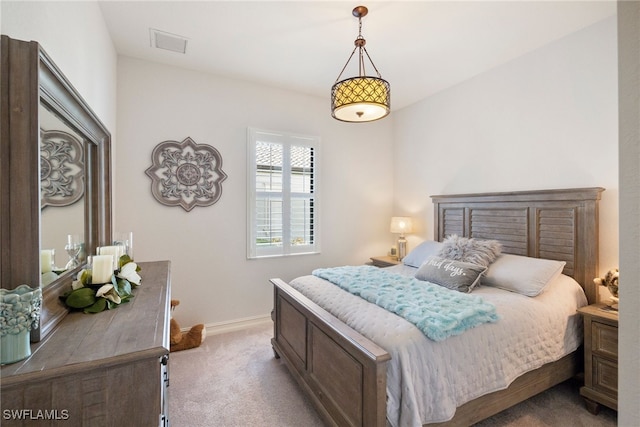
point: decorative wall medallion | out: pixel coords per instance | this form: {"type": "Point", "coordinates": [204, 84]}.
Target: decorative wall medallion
{"type": "Point", "coordinates": [186, 174]}
{"type": "Point", "coordinates": [61, 168]}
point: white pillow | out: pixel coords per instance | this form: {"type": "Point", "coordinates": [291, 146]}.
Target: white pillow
{"type": "Point", "coordinates": [420, 253]}
{"type": "Point", "coordinates": [524, 275]}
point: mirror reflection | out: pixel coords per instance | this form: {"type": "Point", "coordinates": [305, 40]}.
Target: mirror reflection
{"type": "Point", "coordinates": [62, 200]}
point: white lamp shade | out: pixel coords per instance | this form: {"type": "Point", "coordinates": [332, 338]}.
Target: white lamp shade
{"type": "Point", "coordinates": [401, 224]}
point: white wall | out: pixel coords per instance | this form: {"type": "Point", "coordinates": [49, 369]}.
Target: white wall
{"type": "Point", "coordinates": [629, 339]}
{"type": "Point", "coordinates": [207, 246]}
{"type": "Point", "coordinates": [545, 120]}
{"type": "Point", "coordinates": [75, 36]}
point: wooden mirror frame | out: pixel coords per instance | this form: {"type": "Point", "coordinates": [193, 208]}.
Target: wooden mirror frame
{"type": "Point", "coordinates": [28, 78]}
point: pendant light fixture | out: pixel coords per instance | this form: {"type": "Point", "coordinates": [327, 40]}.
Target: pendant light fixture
{"type": "Point", "coordinates": [362, 98]}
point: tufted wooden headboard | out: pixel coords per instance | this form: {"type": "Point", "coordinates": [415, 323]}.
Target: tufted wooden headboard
{"type": "Point", "coordinates": [552, 224]}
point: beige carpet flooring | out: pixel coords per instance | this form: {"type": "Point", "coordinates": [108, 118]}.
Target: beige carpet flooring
{"type": "Point", "coordinates": [234, 380]}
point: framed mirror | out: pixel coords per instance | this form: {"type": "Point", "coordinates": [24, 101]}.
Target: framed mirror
{"type": "Point", "coordinates": [62, 187]}
{"type": "Point", "coordinates": [54, 177]}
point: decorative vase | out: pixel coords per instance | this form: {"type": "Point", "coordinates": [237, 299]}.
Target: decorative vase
{"type": "Point", "coordinates": [19, 313]}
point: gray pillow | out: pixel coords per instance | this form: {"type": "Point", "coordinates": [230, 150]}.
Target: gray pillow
{"type": "Point", "coordinates": [420, 253]}
{"type": "Point", "coordinates": [476, 251]}
{"type": "Point", "coordinates": [456, 275]}
{"type": "Point", "coordinates": [521, 274]}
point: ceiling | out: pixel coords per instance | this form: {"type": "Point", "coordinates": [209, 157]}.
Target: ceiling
{"type": "Point", "coordinates": [420, 47]}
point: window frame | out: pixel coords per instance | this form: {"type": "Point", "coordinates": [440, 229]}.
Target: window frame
{"type": "Point", "coordinates": [287, 140]}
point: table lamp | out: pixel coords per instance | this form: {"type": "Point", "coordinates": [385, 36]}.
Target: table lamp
{"type": "Point", "coordinates": [401, 225]}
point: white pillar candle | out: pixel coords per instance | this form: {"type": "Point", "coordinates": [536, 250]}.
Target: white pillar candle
{"type": "Point", "coordinates": [101, 269]}
{"type": "Point", "coordinates": [115, 251]}
{"type": "Point", "coordinates": [46, 260]}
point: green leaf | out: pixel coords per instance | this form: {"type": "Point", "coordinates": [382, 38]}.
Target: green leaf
{"type": "Point", "coordinates": [123, 287]}
{"type": "Point", "coordinates": [97, 307]}
{"type": "Point", "coordinates": [81, 298]}
{"type": "Point", "coordinates": [124, 259]}
{"type": "Point", "coordinates": [85, 277]}
{"type": "Point", "coordinates": [66, 294]}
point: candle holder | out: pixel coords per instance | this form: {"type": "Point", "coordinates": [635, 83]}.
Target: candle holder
{"type": "Point", "coordinates": [125, 240]}
{"type": "Point", "coordinates": [100, 287]}
{"type": "Point", "coordinates": [73, 248]}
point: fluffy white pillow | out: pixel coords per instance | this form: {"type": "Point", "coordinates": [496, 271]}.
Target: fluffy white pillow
{"type": "Point", "coordinates": [524, 275]}
{"type": "Point", "coordinates": [420, 253]}
{"type": "Point", "coordinates": [456, 275]}
{"type": "Point", "coordinates": [476, 251]}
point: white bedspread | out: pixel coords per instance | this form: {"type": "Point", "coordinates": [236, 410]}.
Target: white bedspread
{"type": "Point", "coordinates": [427, 380]}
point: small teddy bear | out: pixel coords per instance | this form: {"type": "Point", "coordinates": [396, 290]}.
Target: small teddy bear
{"type": "Point", "coordinates": [610, 280]}
{"type": "Point", "coordinates": [184, 340]}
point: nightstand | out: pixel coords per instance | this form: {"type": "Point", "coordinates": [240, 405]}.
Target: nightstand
{"type": "Point", "coordinates": [600, 357]}
{"type": "Point", "coordinates": [384, 261]}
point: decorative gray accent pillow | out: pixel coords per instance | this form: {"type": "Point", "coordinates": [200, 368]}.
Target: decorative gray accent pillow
{"type": "Point", "coordinates": [420, 253]}
{"type": "Point", "coordinates": [524, 275]}
{"type": "Point", "coordinates": [456, 275]}
{"type": "Point", "coordinates": [475, 251]}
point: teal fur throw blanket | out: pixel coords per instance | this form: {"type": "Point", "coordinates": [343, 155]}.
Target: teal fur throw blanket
{"type": "Point", "coordinates": [438, 312]}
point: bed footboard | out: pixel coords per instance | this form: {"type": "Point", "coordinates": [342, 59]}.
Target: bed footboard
{"type": "Point", "coordinates": [343, 372]}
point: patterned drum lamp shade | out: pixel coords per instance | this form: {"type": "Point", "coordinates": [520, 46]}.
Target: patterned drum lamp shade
{"type": "Point", "coordinates": [360, 99]}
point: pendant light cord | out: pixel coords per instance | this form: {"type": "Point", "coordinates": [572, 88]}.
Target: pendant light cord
{"type": "Point", "coordinates": [359, 42]}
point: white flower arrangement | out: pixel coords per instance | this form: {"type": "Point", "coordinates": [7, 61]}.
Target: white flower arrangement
{"type": "Point", "coordinates": [93, 298]}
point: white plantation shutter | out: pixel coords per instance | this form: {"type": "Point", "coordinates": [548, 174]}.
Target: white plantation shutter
{"type": "Point", "coordinates": [282, 194]}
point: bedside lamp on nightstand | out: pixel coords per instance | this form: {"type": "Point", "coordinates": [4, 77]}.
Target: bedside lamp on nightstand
{"type": "Point", "coordinates": [401, 225]}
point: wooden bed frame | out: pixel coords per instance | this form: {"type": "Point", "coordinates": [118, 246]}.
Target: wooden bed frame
{"type": "Point", "coordinates": [344, 373]}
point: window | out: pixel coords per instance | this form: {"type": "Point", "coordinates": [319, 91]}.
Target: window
{"type": "Point", "coordinates": [282, 195]}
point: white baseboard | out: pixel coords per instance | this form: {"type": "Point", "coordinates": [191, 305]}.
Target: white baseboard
{"type": "Point", "coordinates": [235, 325]}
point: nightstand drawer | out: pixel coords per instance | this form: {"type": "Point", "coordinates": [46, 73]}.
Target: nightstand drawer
{"type": "Point", "coordinates": [605, 376]}
{"type": "Point", "coordinates": [600, 357]}
{"type": "Point", "coordinates": [604, 339]}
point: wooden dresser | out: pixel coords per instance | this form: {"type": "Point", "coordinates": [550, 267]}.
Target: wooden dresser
{"type": "Point", "coordinates": [105, 369]}
{"type": "Point", "coordinates": [600, 357]}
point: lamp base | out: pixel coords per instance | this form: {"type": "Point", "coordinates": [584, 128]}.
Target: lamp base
{"type": "Point", "coordinates": [402, 248]}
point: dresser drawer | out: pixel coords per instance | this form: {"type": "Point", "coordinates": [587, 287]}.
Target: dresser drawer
{"type": "Point", "coordinates": [605, 376]}
{"type": "Point", "coordinates": [604, 340]}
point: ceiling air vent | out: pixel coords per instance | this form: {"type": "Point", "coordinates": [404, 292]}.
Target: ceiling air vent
{"type": "Point", "coordinates": [167, 41]}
